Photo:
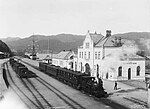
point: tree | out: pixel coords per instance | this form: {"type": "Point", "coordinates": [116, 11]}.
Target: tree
{"type": "Point", "coordinates": [5, 49]}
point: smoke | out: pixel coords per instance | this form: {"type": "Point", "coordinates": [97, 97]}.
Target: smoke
{"type": "Point", "coordinates": [111, 59]}
{"type": "Point", "coordinates": [130, 48]}
{"type": "Point", "coordinates": [11, 101]}
{"type": "Point", "coordinates": [145, 42]}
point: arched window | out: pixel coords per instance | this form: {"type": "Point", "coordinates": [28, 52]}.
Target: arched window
{"type": "Point", "coordinates": [138, 71]}
{"type": "Point", "coordinates": [120, 71]}
{"type": "Point", "coordinates": [87, 69]}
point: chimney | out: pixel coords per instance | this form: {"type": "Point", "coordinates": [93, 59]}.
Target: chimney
{"type": "Point", "coordinates": [108, 33]}
{"type": "Point", "coordinates": [95, 32]}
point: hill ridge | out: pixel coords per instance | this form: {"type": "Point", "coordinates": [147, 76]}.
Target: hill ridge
{"type": "Point", "coordinates": [63, 41]}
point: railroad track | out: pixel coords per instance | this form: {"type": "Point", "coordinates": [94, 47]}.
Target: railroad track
{"type": "Point", "coordinates": [32, 88]}
{"type": "Point", "coordinates": [61, 95]}
{"type": "Point", "coordinates": [136, 101]}
{"type": "Point", "coordinates": [15, 87]}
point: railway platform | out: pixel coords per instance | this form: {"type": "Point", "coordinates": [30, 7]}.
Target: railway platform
{"type": "Point", "coordinates": [126, 95]}
{"type": "Point", "coordinates": [45, 92]}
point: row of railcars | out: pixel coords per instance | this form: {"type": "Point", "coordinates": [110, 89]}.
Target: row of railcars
{"type": "Point", "coordinates": [21, 70]}
{"type": "Point", "coordinates": [75, 79]}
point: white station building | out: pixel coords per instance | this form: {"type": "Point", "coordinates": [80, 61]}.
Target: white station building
{"type": "Point", "coordinates": [109, 58]}
{"type": "Point", "coordinates": [64, 59]}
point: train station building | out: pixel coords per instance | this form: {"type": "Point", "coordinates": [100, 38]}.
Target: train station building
{"type": "Point", "coordinates": [109, 57]}
{"type": "Point", "coordinates": [64, 59]}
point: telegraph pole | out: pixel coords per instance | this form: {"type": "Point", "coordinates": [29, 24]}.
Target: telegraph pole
{"type": "Point", "coordinates": [33, 49]}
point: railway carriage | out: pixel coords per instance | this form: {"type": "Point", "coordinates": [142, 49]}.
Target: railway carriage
{"type": "Point", "coordinates": [21, 70]}
{"type": "Point", "coordinates": [51, 70]}
{"type": "Point", "coordinates": [75, 79]}
{"type": "Point", "coordinates": [42, 66]}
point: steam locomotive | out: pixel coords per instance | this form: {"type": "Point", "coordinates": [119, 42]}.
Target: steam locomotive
{"type": "Point", "coordinates": [21, 70]}
{"type": "Point", "coordinates": [77, 80]}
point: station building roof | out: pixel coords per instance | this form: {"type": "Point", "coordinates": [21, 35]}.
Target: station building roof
{"type": "Point", "coordinates": [63, 54]}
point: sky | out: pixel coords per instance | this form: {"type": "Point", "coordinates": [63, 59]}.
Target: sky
{"type": "Point", "coordinates": [22, 18]}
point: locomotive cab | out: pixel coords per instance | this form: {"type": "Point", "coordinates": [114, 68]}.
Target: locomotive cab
{"type": "Point", "coordinates": [87, 83]}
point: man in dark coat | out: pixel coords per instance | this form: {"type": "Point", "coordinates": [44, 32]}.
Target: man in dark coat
{"type": "Point", "coordinates": [115, 87]}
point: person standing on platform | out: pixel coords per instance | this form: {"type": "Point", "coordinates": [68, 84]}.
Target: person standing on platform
{"type": "Point", "coordinates": [115, 87]}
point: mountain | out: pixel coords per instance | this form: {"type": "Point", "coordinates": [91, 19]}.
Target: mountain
{"type": "Point", "coordinates": [57, 43]}
{"type": "Point", "coordinates": [61, 42]}
{"type": "Point", "coordinates": [8, 39]}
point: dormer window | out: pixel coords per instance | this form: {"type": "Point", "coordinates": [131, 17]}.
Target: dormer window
{"type": "Point", "coordinates": [71, 57]}
{"type": "Point", "coordinates": [87, 45]}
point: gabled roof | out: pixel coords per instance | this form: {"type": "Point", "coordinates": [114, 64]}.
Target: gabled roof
{"type": "Point", "coordinates": [101, 42]}
{"type": "Point", "coordinates": [96, 37]}
{"type": "Point", "coordinates": [48, 57]}
{"type": "Point", "coordinates": [108, 41]}
{"type": "Point", "coordinates": [42, 56]}
{"type": "Point", "coordinates": [62, 55]}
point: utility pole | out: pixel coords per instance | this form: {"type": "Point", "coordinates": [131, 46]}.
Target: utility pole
{"type": "Point", "coordinates": [48, 58]}
{"type": "Point", "coordinates": [33, 49]}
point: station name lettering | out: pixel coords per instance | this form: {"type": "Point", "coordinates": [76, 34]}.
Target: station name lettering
{"type": "Point", "coordinates": [131, 63]}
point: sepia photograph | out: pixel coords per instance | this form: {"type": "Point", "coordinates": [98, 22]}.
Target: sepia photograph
{"type": "Point", "coordinates": [74, 54]}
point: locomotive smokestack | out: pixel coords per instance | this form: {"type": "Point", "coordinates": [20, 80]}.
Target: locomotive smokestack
{"type": "Point", "coordinates": [108, 33]}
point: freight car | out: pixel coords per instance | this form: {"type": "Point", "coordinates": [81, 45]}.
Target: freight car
{"type": "Point", "coordinates": [21, 70]}
{"type": "Point", "coordinates": [78, 80]}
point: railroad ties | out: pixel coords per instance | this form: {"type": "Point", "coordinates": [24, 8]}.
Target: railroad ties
{"type": "Point", "coordinates": [37, 93]}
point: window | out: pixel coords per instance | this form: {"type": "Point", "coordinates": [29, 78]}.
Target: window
{"type": "Point", "coordinates": [81, 66]}
{"type": "Point", "coordinates": [89, 55]}
{"type": "Point", "coordinates": [75, 66]}
{"type": "Point", "coordinates": [85, 55]}
{"type": "Point", "coordinates": [61, 63]}
{"type": "Point", "coordinates": [120, 71]}
{"type": "Point", "coordinates": [82, 54]}
{"type": "Point", "coordinates": [138, 71]}
{"type": "Point", "coordinates": [95, 55]}
{"type": "Point", "coordinates": [97, 71]}
{"type": "Point", "coordinates": [99, 54]}
{"type": "Point", "coordinates": [79, 54]}
{"type": "Point", "coordinates": [87, 45]}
